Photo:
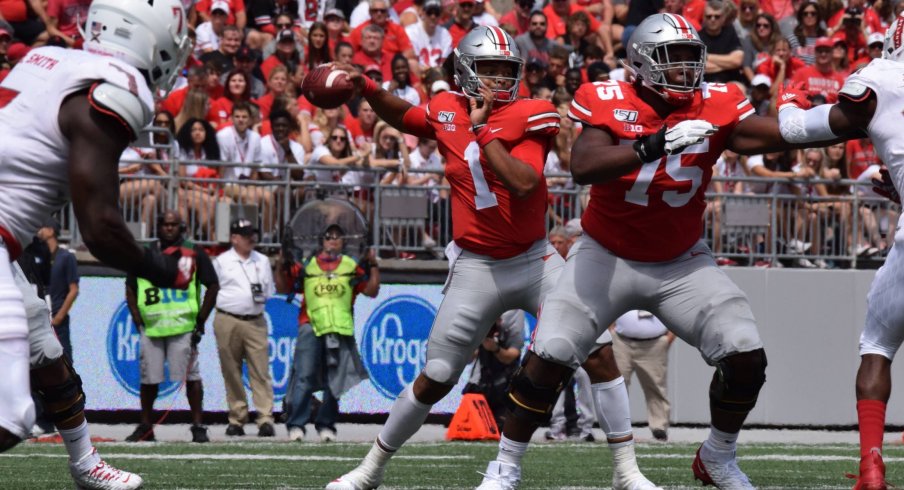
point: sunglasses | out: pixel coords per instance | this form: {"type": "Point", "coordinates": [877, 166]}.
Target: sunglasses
{"type": "Point", "coordinates": [162, 122]}
{"type": "Point", "coordinates": [466, 5]}
{"type": "Point", "coordinates": [378, 11]}
{"type": "Point", "coordinates": [810, 13]}
{"type": "Point", "coordinates": [284, 25]}
{"type": "Point", "coordinates": [538, 24]}
{"type": "Point", "coordinates": [763, 25]}
{"type": "Point", "coordinates": [714, 16]}
{"type": "Point", "coordinates": [332, 236]}
{"type": "Point", "coordinates": [748, 8]}
{"type": "Point", "coordinates": [338, 138]}
{"type": "Point", "coordinates": [433, 12]}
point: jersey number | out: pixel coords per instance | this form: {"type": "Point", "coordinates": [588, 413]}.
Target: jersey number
{"type": "Point", "coordinates": [608, 90]}
{"type": "Point", "coordinates": [484, 198]}
{"type": "Point", "coordinates": [638, 192]}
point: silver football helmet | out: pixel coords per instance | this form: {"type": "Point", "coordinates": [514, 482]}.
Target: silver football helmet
{"type": "Point", "coordinates": [486, 43]}
{"type": "Point", "coordinates": [893, 49]}
{"type": "Point", "coordinates": [650, 56]}
{"type": "Point", "coordinates": [151, 35]}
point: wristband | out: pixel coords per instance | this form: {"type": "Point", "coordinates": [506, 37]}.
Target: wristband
{"type": "Point", "coordinates": [484, 135]}
{"type": "Point", "coordinates": [370, 86]}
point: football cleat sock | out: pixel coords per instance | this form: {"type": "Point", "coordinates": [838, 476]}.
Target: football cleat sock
{"type": "Point", "coordinates": [721, 443]}
{"type": "Point", "coordinates": [406, 416]}
{"type": "Point", "coordinates": [613, 411]}
{"type": "Point", "coordinates": [510, 451]}
{"type": "Point", "coordinates": [871, 417]}
{"type": "Point", "coordinates": [78, 445]}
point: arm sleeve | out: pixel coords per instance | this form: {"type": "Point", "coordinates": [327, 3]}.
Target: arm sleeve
{"type": "Point", "coordinates": [415, 122]}
{"type": "Point", "coordinates": [71, 270]}
{"type": "Point", "coordinates": [206, 273]}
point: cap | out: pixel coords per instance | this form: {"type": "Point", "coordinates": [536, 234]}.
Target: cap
{"type": "Point", "coordinates": [824, 42]}
{"type": "Point", "coordinates": [220, 5]}
{"type": "Point", "coordinates": [242, 227]}
{"type": "Point", "coordinates": [573, 227]}
{"type": "Point", "coordinates": [854, 12]}
{"type": "Point", "coordinates": [840, 38]}
{"type": "Point", "coordinates": [245, 53]}
{"type": "Point", "coordinates": [285, 35]}
{"type": "Point", "coordinates": [439, 86]}
{"type": "Point", "coordinates": [334, 12]}
{"type": "Point", "coordinates": [17, 51]}
{"type": "Point", "coordinates": [334, 227]}
{"type": "Point", "coordinates": [5, 33]}
{"type": "Point", "coordinates": [370, 68]}
{"type": "Point", "coordinates": [433, 4]}
{"type": "Point", "coordinates": [53, 224]}
{"type": "Point", "coordinates": [536, 63]}
{"type": "Point", "coordinates": [761, 80]}
{"type": "Point", "coordinates": [874, 38]}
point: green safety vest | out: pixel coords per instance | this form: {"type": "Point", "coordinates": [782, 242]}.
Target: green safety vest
{"type": "Point", "coordinates": [165, 311]}
{"type": "Point", "coordinates": [328, 297]}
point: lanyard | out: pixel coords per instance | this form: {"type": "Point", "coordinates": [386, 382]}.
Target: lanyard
{"type": "Point", "coordinates": [242, 266]}
{"type": "Point", "coordinates": [239, 148]}
{"type": "Point", "coordinates": [280, 153]}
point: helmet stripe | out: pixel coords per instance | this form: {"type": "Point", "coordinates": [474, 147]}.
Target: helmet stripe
{"type": "Point", "coordinates": [500, 36]}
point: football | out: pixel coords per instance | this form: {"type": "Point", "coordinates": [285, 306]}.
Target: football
{"type": "Point", "coordinates": [326, 87]}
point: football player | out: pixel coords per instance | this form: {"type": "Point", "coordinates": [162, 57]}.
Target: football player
{"type": "Point", "coordinates": [495, 147]}
{"type": "Point", "coordinates": [648, 148]}
{"type": "Point", "coordinates": [869, 104]}
{"type": "Point", "coordinates": [66, 117]}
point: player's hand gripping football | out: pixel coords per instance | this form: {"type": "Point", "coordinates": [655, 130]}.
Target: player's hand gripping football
{"type": "Point", "coordinates": [480, 108]}
{"type": "Point", "coordinates": [354, 76]}
{"type": "Point", "coordinates": [885, 187]}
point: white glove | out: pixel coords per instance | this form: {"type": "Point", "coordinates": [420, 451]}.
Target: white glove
{"type": "Point", "coordinates": [687, 133]}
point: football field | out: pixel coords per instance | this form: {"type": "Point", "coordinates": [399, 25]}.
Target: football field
{"type": "Point", "coordinates": [284, 465]}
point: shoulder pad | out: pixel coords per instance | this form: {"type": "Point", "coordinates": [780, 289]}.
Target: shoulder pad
{"type": "Point", "coordinates": [854, 90]}
{"type": "Point", "coordinates": [123, 105]}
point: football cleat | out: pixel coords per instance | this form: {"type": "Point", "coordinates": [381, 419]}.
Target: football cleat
{"type": "Point", "coordinates": [872, 472]}
{"type": "Point", "coordinates": [633, 481]}
{"type": "Point", "coordinates": [104, 477]}
{"type": "Point", "coordinates": [500, 476]}
{"type": "Point", "coordinates": [365, 477]}
{"type": "Point", "coordinates": [724, 475]}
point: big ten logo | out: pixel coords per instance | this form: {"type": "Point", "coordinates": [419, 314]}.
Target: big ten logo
{"type": "Point", "coordinates": [152, 296]}
{"type": "Point", "coordinates": [124, 354]}
{"type": "Point", "coordinates": [394, 345]}
{"type": "Point", "coordinates": [282, 333]}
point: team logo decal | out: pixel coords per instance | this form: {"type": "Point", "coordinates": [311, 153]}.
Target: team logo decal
{"type": "Point", "coordinates": [446, 117]}
{"type": "Point", "coordinates": [625, 115]}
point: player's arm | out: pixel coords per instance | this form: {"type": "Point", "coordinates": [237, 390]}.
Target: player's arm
{"type": "Point", "coordinates": [207, 275]}
{"type": "Point", "coordinates": [519, 177]}
{"type": "Point", "coordinates": [96, 140]}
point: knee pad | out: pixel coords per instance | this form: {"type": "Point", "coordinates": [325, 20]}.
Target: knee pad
{"type": "Point", "coordinates": [531, 401]}
{"type": "Point", "coordinates": [737, 381]}
{"type": "Point", "coordinates": [63, 401]}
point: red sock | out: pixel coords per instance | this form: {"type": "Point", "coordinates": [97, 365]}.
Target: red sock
{"type": "Point", "coordinates": [871, 416]}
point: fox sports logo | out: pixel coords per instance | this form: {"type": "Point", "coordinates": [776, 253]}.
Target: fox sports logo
{"type": "Point", "coordinates": [394, 344]}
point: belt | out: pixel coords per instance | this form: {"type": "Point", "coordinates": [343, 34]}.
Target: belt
{"type": "Point", "coordinates": [635, 339]}
{"type": "Point", "coordinates": [241, 317]}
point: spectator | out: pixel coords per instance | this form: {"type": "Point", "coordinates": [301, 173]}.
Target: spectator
{"type": "Point", "coordinates": [874, 45]}
{"type": "Point", "coordinates": [758, 43]}
{"type": "Point", "coordinates": [518, 18]}
{"type": "Point", "coordinates": [597, 72]}
{"type": "Point", "coordinates": [238, 89]}
{"type": "Point", "coordinates": [641, 344]}
{"type": "Point", "coordinates": [821, 78]}
{"type": "Point", "coordinates": [812, 213]}
{"type": "Point", "coordinates": [577, 30]}
{"type": "Point", "coordinates": [63, 17]}
{"type": "Point", "coordinates": [535, 78]}
{"type": "Point", "coordinates": [723, 48]}
{"type": "Point", "coordinates": [400, 83]}
{"type": "Point", "coordinates": [495, 362]}
{"type": "Point", "coordinates": [207, 35]}
{"type": "Point", "coordinates": [861, 154]}
{"type": "Point", "coordinates": [337, 151]}
{"type": "Point", "coordinates": [246, 61]}
{"type": "Point", "coordinates": [278, 148]}
{"type": "Point", "coordinates": [745, 24]}
{"type": "Point", "coordinates": [677, 7]}
{"type": "Point", "coordinates": [286, 55]}
{"type": "Point", "coordinates": [779, 65]}
{"type": "Point", "coordinates": [224, 56]}
{"type": "Point", "coordinates": [431, 42]}
{"type": "Point", "coordinates": [344, 52]}
{"type": "Point", "coordinates": [426, 169]}
{"type": "Point", "coordinates": [326, 355]}
{"type": "Point", "coordinates": [760, 95]}
{"type": "Point", "coordinates": [395, 40]}
{"type": "Point", "coordinates": [484, 14]}
{"type": "Point", "coordinates": [361, 14]}
{"type": "Point", "coordinates": [534, 45]}
{"type": "Point", "coordinates": [336, 27]}
{"type": "Point", "coordinates": [463, 21]}
{"type": "Point", "coordinates": [852, 31]}
{"type": "Point", "coordinates": [171, 323]}
{"type": "Point", "coordinates": [28, 20]}
{"type": "Point", "coordinates": [778, 8]}
{"type": "Point", "coordinates": [840, 60]}
{"type": "Point", "coordinates": [808, 30]}
{"type": "Point", "coordinates": [239, 144]}
{"type": "Point", "coordinates": [63, 285]}
{"type": "Point", "coordinates": [277, 84]}
{"type": "Point", "coordinates": [265, 20]}
{"type": "Point", "coordinates": [318, 47]}
{"type": "Point", "coordinates": [246, 282]}
{"type": "Point", "coordinates": [857, 13]}
{"type": "Point", "coordinates": [372, 52]}
{"type": "Point", "coordinates": [196, 106]}
{"type": "Point", "coordinates": [362, 128]}
{"type": "Point", "coordinates": [235, 11]}
{"type": "Point", "coordinates": [197, 144]}
{"type": "Point", "coordinates": [557, 13]}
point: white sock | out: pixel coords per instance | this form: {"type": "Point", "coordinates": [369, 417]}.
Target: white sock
{"type": "Point", "coordinates": [624, 462]}
{"type": "Point", "coordinates": [613, 411]}
{"type": "Point", "coordinates": [78, 445]}
{"type": "Point", "coordinates": [378, 455]}
{"type": "Point", "coordinates": [722, 442]}
{"type": "Point", "coordinates": [406, 416]}
{"type": "Point", "coordinates": [510, 451]}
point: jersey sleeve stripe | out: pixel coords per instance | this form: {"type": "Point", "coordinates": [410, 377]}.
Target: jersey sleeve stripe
{"type": "Point", "coordinates": [543, 126]}
{"type": "Point", "coordinates": [743, 103]}
{"type": "Point", "coordinates": [579, 118]}
{"type": "Point", "coordinates": [543, 115]}
{"type": "Point", "coordinates": [580, 108]}
{"type": "Point", "coordinates": [746, 114]}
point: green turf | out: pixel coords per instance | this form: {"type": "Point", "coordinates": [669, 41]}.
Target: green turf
{"type": "Point", "coordinates": [450, 465]}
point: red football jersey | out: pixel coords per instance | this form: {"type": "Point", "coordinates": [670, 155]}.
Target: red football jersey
{"type": "Point", "coordinates": [656, 212]}
{"type": "Point", "coordinates": [486, 219]}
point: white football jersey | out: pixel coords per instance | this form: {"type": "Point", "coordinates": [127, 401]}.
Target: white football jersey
{"type": "Point", "coordinates": [34, 156]}
{"type": "Point", "coordinates": [430, 50]}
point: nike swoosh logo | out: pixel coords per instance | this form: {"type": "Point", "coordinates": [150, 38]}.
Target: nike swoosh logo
{"type": "Point", "coordinates": [495, 130]}
{"type": "Point", "coordinates": [546, 257]}
{"type": "Point", "coordinates": [694, 254]}
{"type": "Point", "coordinates": [77, 439]}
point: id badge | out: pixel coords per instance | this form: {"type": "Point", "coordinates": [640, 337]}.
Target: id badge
{"type": "Point", "coordinates": [257, 293]}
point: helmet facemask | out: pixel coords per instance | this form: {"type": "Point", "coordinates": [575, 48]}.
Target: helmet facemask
{"type": "Point", "coordinates": [467, 78]}
{"type": "Point", "coordinates": [661, 60]}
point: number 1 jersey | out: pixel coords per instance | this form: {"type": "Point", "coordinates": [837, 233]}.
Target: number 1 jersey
{"type": "Point", "coordinates": [486, 218]}
{"type": "Point", "coordinates": [654, 213]}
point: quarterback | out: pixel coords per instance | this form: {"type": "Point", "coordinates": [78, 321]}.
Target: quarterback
{"type": "Point", "coordinates": [648, 148]}
{"type": "Point", "coordinates": [495, 147]}
{"type": "Point", "coordinates": [66, 116]}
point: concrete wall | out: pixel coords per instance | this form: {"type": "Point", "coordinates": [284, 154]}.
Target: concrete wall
{"type": "Point", "coordinates": [810, 322]}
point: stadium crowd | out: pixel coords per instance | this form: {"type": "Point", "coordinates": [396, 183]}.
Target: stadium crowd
{"type": "Point", "coordinates": [239, 101]}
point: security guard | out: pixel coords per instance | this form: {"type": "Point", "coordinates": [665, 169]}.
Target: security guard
{"type": "Point", "coordinates": [171, 323]}
{"type": "Point", "coordinates": [326, 355]}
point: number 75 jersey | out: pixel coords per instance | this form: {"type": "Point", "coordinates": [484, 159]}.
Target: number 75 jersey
{"type": "Point", "coordinates": [655, 213]}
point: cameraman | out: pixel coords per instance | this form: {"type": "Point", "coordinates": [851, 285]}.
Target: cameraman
{"type": "Point", "coordinates": [326, 355]}
{"type": "Point", "coordinates": [496, 362]}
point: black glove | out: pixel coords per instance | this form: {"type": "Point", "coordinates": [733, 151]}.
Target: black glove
{"type": "Point", "coordinates": [651, 148]}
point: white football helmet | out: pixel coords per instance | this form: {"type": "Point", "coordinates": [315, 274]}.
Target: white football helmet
{"type": "Point", "coordinates": [151, 35]}
{"type": "Point", "coordinates": [893, 49]}
{"type": "Point", "coordinates": [485, 43]}
{"type": "Point", "coordinates": [649, 56]}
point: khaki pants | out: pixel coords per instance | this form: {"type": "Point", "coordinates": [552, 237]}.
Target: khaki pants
{"type": "Point", "coordinates": [239, 340]}
{"type": "Point", "coordinates": [650, 360]}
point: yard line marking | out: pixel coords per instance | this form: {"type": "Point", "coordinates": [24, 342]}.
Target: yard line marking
{"type": "Point", "coordinates": [773, 457]}
{"type": "Point", "coordinates": [235, 457]}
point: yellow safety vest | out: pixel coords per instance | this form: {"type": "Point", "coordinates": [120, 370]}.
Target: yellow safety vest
{"type": "Point", "coordinates": [165, 311]}
{"type": "Point", "coordinates": [328, 297]}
